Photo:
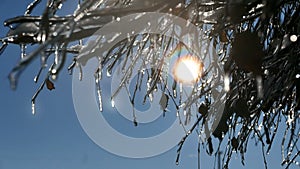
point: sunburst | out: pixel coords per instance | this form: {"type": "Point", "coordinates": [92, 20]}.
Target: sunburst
{"type": "Point", "coordinates": [188, 69]}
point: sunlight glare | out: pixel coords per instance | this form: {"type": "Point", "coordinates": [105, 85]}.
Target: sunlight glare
{"type": "Point", "coordinates": [188, 69]}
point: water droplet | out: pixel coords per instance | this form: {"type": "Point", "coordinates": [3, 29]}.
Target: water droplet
{"type": "Point", "coordinates": [60, 6]}
{"type": "Point", "coordinates": [42, 37]}
{"type": "Point", "coordinates": [35, 79]}
{"type": "Point", "coordinates": [179, 5]}
{"type": "Point", "coordinates": [53, 71]}
{"type": "Point", "coordinates": [53, 77]}
{"type": "Point", "coordinates": [266, 72]}
{"type": "Point", "coordinates": [112, 103]}
{"type": "Point", "coordinates": [135, 122]}
{"type": "Point", "coordinates": [54, 34]}
{"type": "Point", "coordinates": [293, 38]}
{"type": "Point", "coordinates": [108, 73]}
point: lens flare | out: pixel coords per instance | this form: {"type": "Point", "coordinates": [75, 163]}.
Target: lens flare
{"type": "Point", "coordinates": [188, 69]}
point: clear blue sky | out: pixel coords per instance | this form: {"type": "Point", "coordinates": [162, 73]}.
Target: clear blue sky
{"type": "Point", "coordinates": [54, 139]}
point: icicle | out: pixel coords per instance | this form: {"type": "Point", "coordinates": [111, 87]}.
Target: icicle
{"type": "Point", "coordinates": [174, 89]}
{"type": "Point", "coordinates": [177, 113]}
{"type": "Point", "coordinates": [23, 51]}
{"type": "Point", "coordinates": [100, 99]}
{"type": "Point", "coordinates": [56, 55]}
{"type": "Point", "coordinates": [184, 112]}
{"type": "Point", "coordinates": [150, 97]}
{"type": "Point", "coordinates": [99, 92]}
{"type": "Point", "coordinates": [149, 84]}
{"type": "Point", "coordinates": [226, 82]}
{"type": "Point", "coordinates": [36, 95]}
{"type": "Point", "coordinates": [187, 117]}
{"type": "Point", "coordinates": [33, 108]}
{"type": "Point", "coordinates": [180, 88]}
{"type": "Point", "coordinates": [98, 76]}
{"type": "Point", "coordinates": [80, 72]}
{"type": "Point", "coordinates": [180, 93]}
{"type": "Point", "coordinates": [41, 37]}
{"type": "Point", "coordinates": [259, 86]}
{"type": "Point", "coordinates": [174, 93]}
{"type": "Point", "coordinates": [59, 60]}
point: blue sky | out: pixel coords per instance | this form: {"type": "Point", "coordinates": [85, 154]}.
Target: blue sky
{"type": "Point", "coordinates": [54, 139]}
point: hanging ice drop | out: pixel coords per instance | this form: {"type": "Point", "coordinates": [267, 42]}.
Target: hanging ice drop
{"type": "Point", "coordinates": [99, 92]}
{"type": "Point", "coordinates": [226, 82]}
{"type": "Point", "coordinates": [112, 102]}
{"type": "Point", "coordinates": [23, 51]}
{"type": "Point", "coordinates": [259, 86]}
{"type": "Point", "coordinates": [33, 108]}
{"type": "Point", "coordinates": [108, 73]}
{"type": "Point", "coordinates": [174, 93]}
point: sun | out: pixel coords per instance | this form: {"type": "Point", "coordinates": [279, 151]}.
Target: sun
{"type": "Point", "coordinates": [188, 69]}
